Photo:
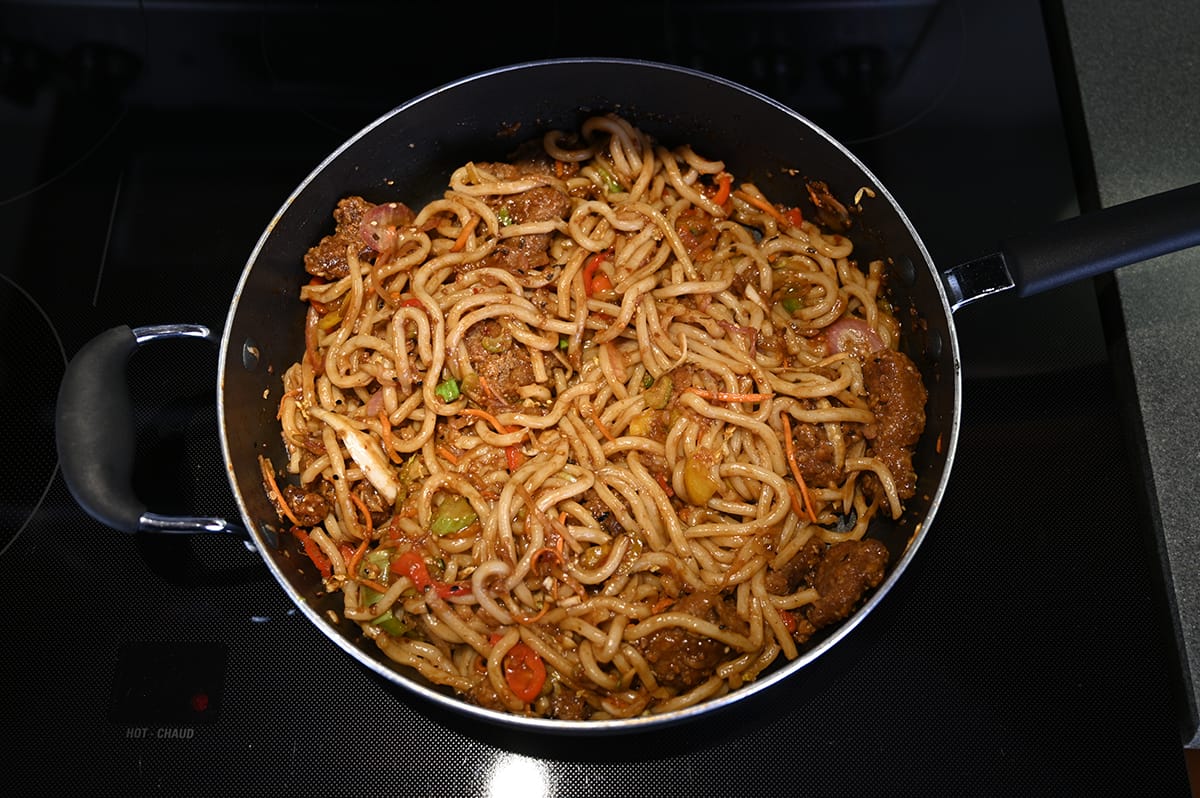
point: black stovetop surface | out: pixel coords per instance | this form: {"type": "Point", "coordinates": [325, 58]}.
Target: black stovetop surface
{"type": "Point", "coordinates": [1026, 651]}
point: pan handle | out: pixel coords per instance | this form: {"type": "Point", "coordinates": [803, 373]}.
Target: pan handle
{"type": "Point", "coordinates": [95, 437]}
{"type": "Point", "coordinates": [1085, 246]}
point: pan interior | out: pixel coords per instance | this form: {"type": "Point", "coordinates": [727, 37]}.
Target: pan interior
{"type": "Point", "coordinates": [408, 154]}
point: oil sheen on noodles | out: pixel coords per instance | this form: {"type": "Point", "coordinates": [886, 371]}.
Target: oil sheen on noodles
{"type": "Point", "coordinates": [600, 431]}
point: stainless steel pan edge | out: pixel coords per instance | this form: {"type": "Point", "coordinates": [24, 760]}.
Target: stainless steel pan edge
{"type": "Point", "coordinates": [485, 115]}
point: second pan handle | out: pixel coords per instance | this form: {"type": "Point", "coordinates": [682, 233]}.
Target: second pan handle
{"type": "Point", "coordinates": [94, 433]}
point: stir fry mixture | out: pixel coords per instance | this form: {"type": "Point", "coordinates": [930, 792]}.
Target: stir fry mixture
{"type": "Point", "coordinates": [598, 432]}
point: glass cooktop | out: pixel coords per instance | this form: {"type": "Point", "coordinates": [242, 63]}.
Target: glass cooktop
{"type": "Point", "coordinates": [147, 145]}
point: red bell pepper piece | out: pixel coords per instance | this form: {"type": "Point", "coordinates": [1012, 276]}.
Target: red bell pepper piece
{"type": "Point", "coordinates": [412, 565]}
{"type": "Point", "coordinates": [323, 563]}
{"type": "Point", "coordinates": [593, 282]}
{"type": "Point", "coordinates": [524, 671]}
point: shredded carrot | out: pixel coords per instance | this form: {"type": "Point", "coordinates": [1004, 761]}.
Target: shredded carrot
{"type": "Point", "coordinates": [722, 396]}
{"type": "Point", "coordinates": [378, 587]}
{"type": "Point", "coordinates": [762, 205]}
{"type": "Point", "coordinates": [486, 416]}
{"type": "Point", "coordinates": [791, 458]}
{"type": "Point", "coordinates": [558, 168]}
{"type": "Point", "coordinates": [385, 425]}
{"type": "Point", "coordinates": [362, 508]}
{"type": "Point", "coordinates": [600, 426]}
{"type": "Point", "coordinates": [460, 243]}
{"type": "Point", "coordinates": [661, 605]}
{"type": "Point", "coordinates": [276, 494]}
{"type": "Point", "coordinates": [544, 550]}
{"type": "Point", "coordinates": [446, 454]}
{"type": "Point", "coordinates": [529, 619]}
{"type": "Point", "coordinates": [796, 501]}
{"type": "Point", "coordinates": [352, 566]}
{"type": "Point", "coordinates": [289, 394]}
{"type": "Point", "coordinates": [557, 551]}
{"type": "Point", "coordinates": [724, 185]}
{"type": "Point", "coordinates": [487, 387]}
{"type": "Point", "coordinates": [812, 515]}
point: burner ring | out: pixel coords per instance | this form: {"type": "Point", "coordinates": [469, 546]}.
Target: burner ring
{"type": "Point", "coordinates": [38, 362]}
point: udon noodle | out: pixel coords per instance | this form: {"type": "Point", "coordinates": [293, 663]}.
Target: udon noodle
{"type": "Point", "coordinates": [600, 431]}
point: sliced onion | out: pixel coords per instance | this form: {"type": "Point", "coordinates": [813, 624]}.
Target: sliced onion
{"type": "Point", "coordinates": [375, 404]}
{"type": "Point", "coordinates": [854, 336]}
{"type": "Point", "coordinates": [749, 334]}
{"type": "Point", "coordinates": [364, 451]}
{"type": "Point", "coordinates": [378, 226]}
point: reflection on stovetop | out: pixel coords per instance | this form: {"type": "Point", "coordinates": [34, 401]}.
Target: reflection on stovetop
{"type": "Point", "coordinates": [153, 142]}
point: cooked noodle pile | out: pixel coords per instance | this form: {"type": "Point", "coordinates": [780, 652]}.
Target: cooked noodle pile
{"type": "Point", "coordinates": [600, 431]}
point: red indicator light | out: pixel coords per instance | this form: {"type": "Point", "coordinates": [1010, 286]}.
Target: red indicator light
{"type": "Point", "coordinates": [200, 702]}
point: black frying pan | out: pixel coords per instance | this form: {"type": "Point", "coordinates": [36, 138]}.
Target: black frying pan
{"type": "Point", "coordinates": [408, 155]}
